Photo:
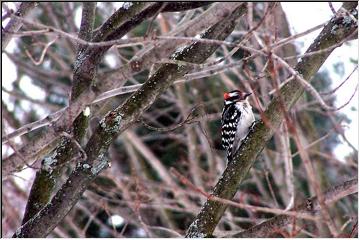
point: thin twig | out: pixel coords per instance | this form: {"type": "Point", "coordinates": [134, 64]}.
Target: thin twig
{"type": "Point", "coordinates": [266, 229]}
{"type": "Point", "coordinates": [332, 8]}
{"type": "Point", "coordinates": [308, 87]}
{"type": "Point", "coordinates": [314, 181]}
{"type": "Point", "coordinates": [336, 88]}
{"type": "Point", "coordinates": [41, 59]}
{"type": "Point", "coordinates": [252, 208]}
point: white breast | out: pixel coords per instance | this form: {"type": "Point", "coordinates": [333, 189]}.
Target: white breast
{"type": "Point", "coordinates": [245, 121]}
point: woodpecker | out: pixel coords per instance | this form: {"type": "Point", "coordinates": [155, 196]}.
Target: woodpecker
{"type": "Point", "coordinates": [236, 122]}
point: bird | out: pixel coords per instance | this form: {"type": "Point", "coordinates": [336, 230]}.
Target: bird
{"type": "Point", "coordinates": [236, 121]}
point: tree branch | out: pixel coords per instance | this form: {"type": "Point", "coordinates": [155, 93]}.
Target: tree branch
{"type": "Point", "coordinates": [62, 118]}
{"type": "Point", "coordinates": [211, 212]}
{"type": "Point", "coordinates": [116, 122]}
{"type": "Point", "coordinates": [15, 24]}
{"type": "Point", "coordinates": [183, 6]}
{"type": "Point", "coordinates": [114, 79]}
{"type": "Point", "coordinates": [266, 229]}
{"type": "Point", "coordinates": [87, 23]}
{"type": "Point", "coordinates": [48, 176]}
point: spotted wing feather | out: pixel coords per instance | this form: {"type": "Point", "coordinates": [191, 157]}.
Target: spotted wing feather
{"type": "Point", "coordinates": [229, 122]}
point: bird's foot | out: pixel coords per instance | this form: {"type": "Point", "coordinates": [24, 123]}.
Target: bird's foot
{"type": "Point", "coordinates": [251, 128]}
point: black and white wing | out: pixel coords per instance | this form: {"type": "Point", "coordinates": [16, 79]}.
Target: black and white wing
{"type": "Point", "coordinates": [229, 121]}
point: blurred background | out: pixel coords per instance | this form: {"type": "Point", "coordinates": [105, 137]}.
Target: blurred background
{"type": "Point", "coordinates": [139, 196]}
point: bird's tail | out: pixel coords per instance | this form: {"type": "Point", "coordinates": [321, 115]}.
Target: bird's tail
{"type": "Point", "coordinates": [229, 156]}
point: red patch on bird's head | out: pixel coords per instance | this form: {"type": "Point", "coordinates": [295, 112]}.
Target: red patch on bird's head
{"type": "Point", "coordinates": [226, 96]}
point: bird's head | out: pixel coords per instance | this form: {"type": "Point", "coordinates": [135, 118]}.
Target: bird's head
{"type": "Point", "coordinates": [235, 96]}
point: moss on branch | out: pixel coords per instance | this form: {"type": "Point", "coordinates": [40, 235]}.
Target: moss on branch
{"type": "Point", "coordinates": [48, 176]}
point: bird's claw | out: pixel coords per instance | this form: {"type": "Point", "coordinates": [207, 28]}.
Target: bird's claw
{"type": "Point", "coordinates": [251, 128]}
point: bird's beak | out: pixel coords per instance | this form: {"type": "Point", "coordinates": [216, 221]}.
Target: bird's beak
{"type": "Point", "coordinates": [247, 94]}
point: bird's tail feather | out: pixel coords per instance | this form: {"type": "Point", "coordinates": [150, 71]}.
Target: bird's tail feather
{"type": "Point", "coordinates": [229, 156]}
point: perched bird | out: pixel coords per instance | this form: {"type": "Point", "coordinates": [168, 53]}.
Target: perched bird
{"type": "Point", "coordinates": [236, 122]}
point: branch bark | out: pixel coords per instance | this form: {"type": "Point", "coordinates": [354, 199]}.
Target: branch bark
{"type": "Point", "coordinates": [116, 122]}
{"type": "Point", "coordinates": [84, 73]}
{"type": "Point", "coordinates": [183, 6]}
{"type": "Point", "coordinates": [14, 24]}
{"type": "Point", "coordinates": [39, 148]}
{"type": "Point", "coordinates": [211, 212]}
{"type": "Point", "coordinates": [48, 176]}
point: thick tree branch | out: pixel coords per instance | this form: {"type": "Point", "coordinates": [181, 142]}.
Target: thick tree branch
{"type": "Point", "coordinates": [84, 73]}
{"type": "Point", "coordinates": [116, 78]}
{"type": "Point", "coordinates": [48, 176]}
{"type": "Point", "coordinates": [116, 122]}
{"type": "Point", "coordinates": [87, 23]}
{"type": "Point", "coordinates": [15, 24]}
{"type": "Point", "coordinates": [183, 6]}
{"type": "Point", "coordinates": [44, 144]}
{"type": "Point", "coordinates": [211, 212]}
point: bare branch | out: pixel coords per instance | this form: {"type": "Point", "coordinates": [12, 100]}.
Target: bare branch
{"type": "Point", "coordinates": [266, 229]}
{"type": "Point", "coordinates": [41, 59]}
